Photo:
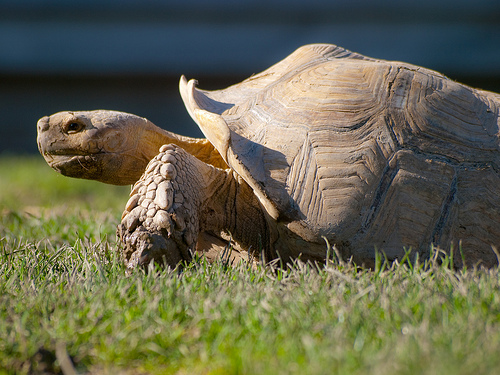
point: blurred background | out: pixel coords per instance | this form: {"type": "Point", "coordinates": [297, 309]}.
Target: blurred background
{"type": "Point", "coordinates": [128, 55]}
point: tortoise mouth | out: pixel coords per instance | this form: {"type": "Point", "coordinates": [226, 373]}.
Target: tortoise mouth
{"type": "Point", "coordinates": [87, 166]}
{"type": "Point", "coordinates": [102, 166]}
{"type": "Point", "coordinates": [68, 152]}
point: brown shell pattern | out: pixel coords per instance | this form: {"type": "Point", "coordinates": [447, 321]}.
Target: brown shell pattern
{"type": "Point", "coordinates": [368, 151]}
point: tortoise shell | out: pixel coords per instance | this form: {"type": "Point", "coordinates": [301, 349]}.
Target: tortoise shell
{"type": "Point", "coordinates": [362, 152]}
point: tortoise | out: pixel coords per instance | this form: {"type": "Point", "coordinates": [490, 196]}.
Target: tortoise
{"type": "Point", "coordinates": [326, 146]}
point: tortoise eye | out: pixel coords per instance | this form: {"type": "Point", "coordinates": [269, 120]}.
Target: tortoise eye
{"type": "Point", "coordinates": [73, 127]}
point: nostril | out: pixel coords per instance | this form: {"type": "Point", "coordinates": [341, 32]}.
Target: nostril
{"type": "Point", "coordinates": [43, 124]}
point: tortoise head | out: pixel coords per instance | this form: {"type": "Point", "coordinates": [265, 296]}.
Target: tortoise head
{"type": "Point", "coordinates": [106, 146]}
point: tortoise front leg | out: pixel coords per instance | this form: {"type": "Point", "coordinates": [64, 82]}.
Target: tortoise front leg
{"type": "Point", "coordinates": [159, 222]}
{"type": "Point", "coordinates": [180, 197]}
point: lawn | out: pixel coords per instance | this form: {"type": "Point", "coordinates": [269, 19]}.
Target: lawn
{"type": "Point", "coordinates": [67, 305]}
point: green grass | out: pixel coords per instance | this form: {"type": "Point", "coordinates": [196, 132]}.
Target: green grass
{"type": "Point", "coordinates": [64, 296]}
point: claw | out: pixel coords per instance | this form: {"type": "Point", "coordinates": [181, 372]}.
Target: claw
{"type": "Point", "coordinates": [153, 247]}
{"type": "Point", "coordinates": [133, 218]}
{"type": "Point", "coordinates": [163, 221]}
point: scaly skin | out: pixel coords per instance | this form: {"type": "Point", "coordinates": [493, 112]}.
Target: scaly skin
{"type": "Point", "coordinates": [177, 198]}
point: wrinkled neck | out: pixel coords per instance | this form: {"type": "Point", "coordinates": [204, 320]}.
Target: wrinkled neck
{"type": "Point", "coordinates": [153, 137]}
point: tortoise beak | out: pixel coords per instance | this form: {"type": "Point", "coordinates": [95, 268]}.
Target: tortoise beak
{"type": "Point", "coordinates": [42, 126]}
